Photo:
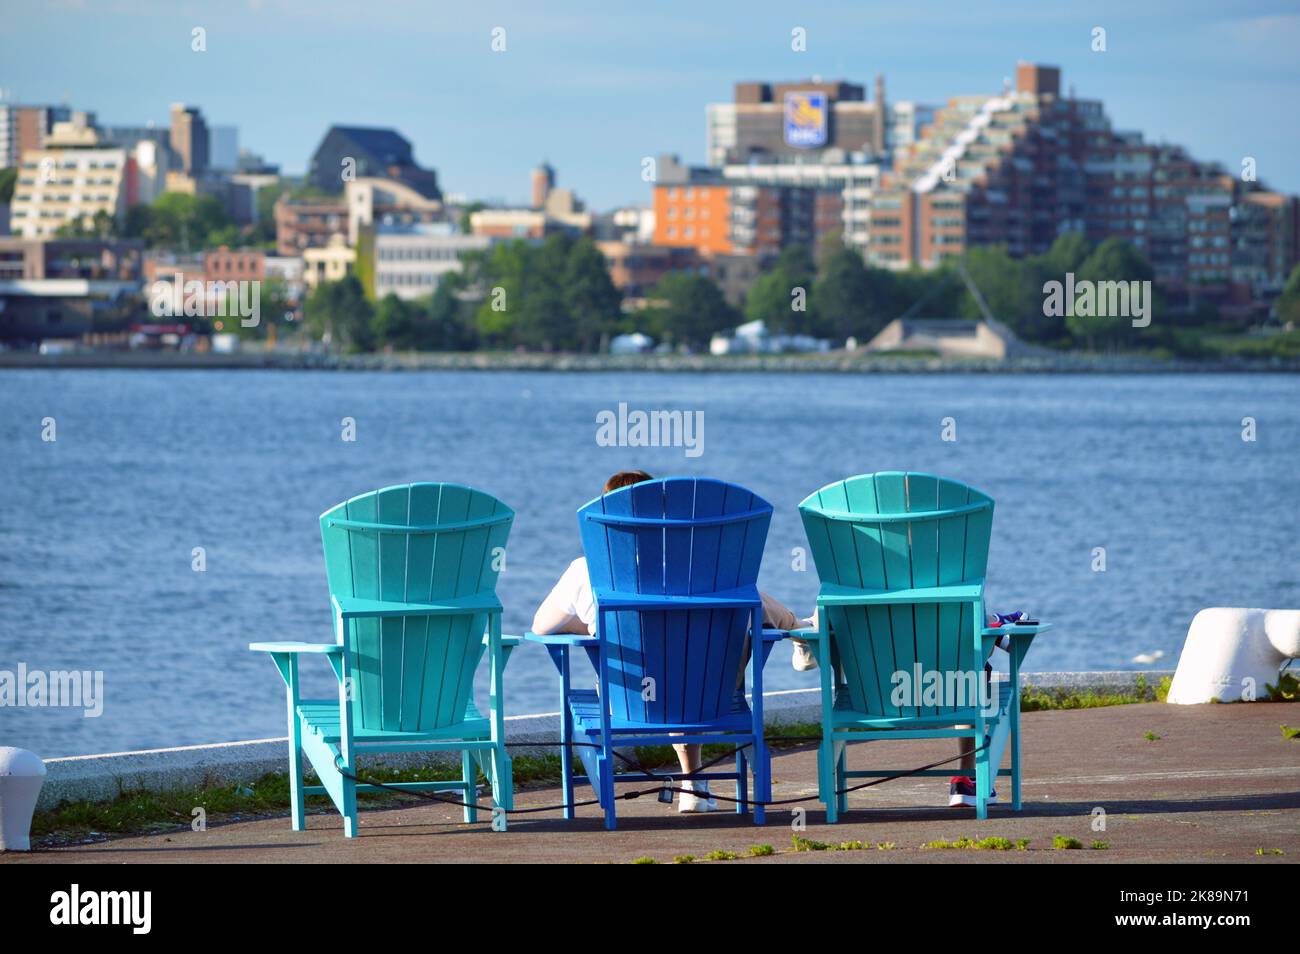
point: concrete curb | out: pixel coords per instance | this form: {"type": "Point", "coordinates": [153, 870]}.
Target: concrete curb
{"type": "Point", "coordinates": [101, 778]}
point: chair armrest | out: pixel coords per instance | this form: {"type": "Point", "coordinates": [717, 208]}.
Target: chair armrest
{"type": "Point", "coordinates": [809, 634]}
{"type": "Point", "coordinates": [508, 641]}
{"type": "Point", "coordinates": [1015, 629]}
{"type": "Point", "coordinates": [561, 639]}
{"type": "Point", "coordinates": [328, 649]}
{"type": "Point", "coordinates": [774, 635]}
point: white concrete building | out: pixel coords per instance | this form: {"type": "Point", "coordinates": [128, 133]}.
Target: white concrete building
{"type": "Point", "coordinates": [411, 259]}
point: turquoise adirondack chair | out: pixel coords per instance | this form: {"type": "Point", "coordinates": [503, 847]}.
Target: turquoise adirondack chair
{"type": "Point", "coordinates": [412, 573]}
{"type": "Point", "coordinates": [673, 565]}
{"type": "Point", "coordinates": [901, 558]}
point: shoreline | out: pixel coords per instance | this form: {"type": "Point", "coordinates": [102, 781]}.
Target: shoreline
{"type": "Point", "coordinates": [835, 363]}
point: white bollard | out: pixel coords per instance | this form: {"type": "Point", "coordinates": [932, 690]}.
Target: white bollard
{"type": "Point", "coordinates": [22, 774]}
{"type": "Point", "coordinates": [1230, 654]}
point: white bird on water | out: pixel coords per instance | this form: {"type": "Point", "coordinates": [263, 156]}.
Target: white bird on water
{"type": "Point", "coordinates": [1147, 659]}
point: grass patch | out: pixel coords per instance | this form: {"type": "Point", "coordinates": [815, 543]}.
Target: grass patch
{"type": "Point", "coordinates": [719, 854]}
{"type": "Point", "coordinates": [683, 859]}
{"type": "Point", "coordinates": [1022, 844]}
{"type": "Point", "coordinates": [1150, 736]}
{"type": "Point", "coordinates": [150, 812]}
{"type": "Point", "coordinates": [992, 843]}
{"type": "Point", "coordinates": [1100, 846]}
{"type": "Point", "coordinates": [1043, 700]}
{"type": "Point", "coordinates": [1286, 690]}
{"type": "Point", "coordinates": [1066, 843]}
{"type": "Point", "coordinates": [644, 860]}
{"type": "Point", "coordinates": [1290, 733]}
{"type": "Point", "coordinates": [807, 844]}
{"type": "Point", "coordinates": [1269, 851]}
{"type": "Point", "coordinates": [761, 851]}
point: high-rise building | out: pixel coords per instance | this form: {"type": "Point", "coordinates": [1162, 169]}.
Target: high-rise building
{"type": "Point", "coordinates": [801, 160]}
{"type": "Point", "coordinates": [23, 128]}
{"type": "Point", "coordinates": [543, 181]}
{"type": "Point", "coordinates": [189, 139]}
{"type": "Point", "coordinates": [223, 153]}
{"type": "Point", "coordinates": [797, 119]}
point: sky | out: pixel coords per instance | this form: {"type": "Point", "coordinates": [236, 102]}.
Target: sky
{"type": "Point", "coordinates": [594, 87]}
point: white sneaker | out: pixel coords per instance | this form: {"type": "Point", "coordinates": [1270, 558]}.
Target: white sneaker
{"type": "Point", "coordinates": [696, 798]}
{"type": "Point", "coordinates": [803, 658]}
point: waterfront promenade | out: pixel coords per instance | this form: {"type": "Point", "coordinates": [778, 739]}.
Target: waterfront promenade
{"type": "Point", "coordinates": [1211, 783]}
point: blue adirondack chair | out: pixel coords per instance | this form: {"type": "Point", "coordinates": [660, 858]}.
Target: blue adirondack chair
{"type": "Point", "coordinates": [901, 559]}
{"type": "Point", "coordinates": [412, 574]}
{"type": "Point", "coordinates": [673, 566]}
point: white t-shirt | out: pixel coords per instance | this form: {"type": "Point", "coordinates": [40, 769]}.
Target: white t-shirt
{"type": "Point", "coordinates": [572, 595]}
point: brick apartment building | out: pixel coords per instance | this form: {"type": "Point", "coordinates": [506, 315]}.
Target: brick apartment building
{"type": "Point", "coordinates": [1021, 168]}
{"type": "Point", "coordinates": [301, 224]}
{"type": "Point", "coordinates": [703, 209]}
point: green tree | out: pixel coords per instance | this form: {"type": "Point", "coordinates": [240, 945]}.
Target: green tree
{"type": "Point", "coordinates": [1114, 260]}
{"type": "Point", "coordinates": [181, 221]}
{"type": "Point", "coordinates": [852, 299]}
{"type": "Point", "coordinates": [340, 313]}
{"type": "Point", "coordinates": [690, 309]}
{"type": "Point", "coordinates": [1068, 253]}
{"type": "Point", "coordinates": [1288, 303]}
{"type": "Point", "coordinates": [8, 179]}
{"type": "Point", "coordinates": [395, 322]}
{"type": "Point", "coordinates": [1007, 286]}
{"type": "Point", "coordinates": [504, 272]}
{"type": "Point", "coordinates": [446, 327]}
{"type": "Point", "coordinates": [593, 303]}
{"type": "Point", "coordinates": [782, 297]}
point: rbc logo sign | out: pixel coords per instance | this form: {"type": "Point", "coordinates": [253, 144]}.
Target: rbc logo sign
{"type": "Point", "coordinates": [805, 119]}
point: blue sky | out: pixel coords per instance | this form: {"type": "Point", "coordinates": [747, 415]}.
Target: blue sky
{"type": "Point", "coordinates": [594, 87]}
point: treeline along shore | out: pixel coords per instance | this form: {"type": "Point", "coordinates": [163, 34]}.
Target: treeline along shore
{"type": "Point", "coordinates": [833, 362]}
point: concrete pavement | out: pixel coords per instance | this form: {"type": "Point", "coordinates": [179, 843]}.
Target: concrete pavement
{"type": "Point", "coordinates": [1219, 782]}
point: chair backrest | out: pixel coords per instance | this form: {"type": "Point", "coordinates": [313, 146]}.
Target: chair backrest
{"type": "Point", "coordinates": [680, 536]}
{"type": "Point", "coordinates": [900, 531]}
{"type": "Point", "coordinates": [415, 543]}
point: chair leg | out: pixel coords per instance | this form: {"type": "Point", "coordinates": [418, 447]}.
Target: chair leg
{"type": "Point", "coordinates": [503, 791]}
{"type": "Point", "coordinates": [349, 807]}
{"type": "Point", "coordinates": [762, 783]}
{"type": "Point", "coordinates": [841, 778]}
{"type": "Point", "coordinates": [297, 809]}
{"type": "Point", "coordinates": [606, 769]}
{"type": "Point", "coordinates": [469, 775]}
{"type": "Point", "coordinates": [503, 788]}
{"type": "Point", "coordinates": [983, 784]}
{"type": "Point", "coordinates": [1015, 758]}
{"type": "Point", "coordinates": [826, 777]}
{"type": "Point", "coordinates": [742, 783]}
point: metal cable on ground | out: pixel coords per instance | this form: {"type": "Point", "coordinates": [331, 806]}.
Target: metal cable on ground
{"type": "Point", "coordinates": [628, 796]}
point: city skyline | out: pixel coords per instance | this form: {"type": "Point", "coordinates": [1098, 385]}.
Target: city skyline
{"type": "Point", "coordinates": [637, 80]}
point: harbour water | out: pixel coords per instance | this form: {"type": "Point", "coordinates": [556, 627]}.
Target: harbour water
{"type": "Point", "coordinates": [100, 526]}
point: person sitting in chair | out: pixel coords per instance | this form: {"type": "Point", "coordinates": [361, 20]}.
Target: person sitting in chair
{"type": "Point", "coordinates": [571, 608]}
